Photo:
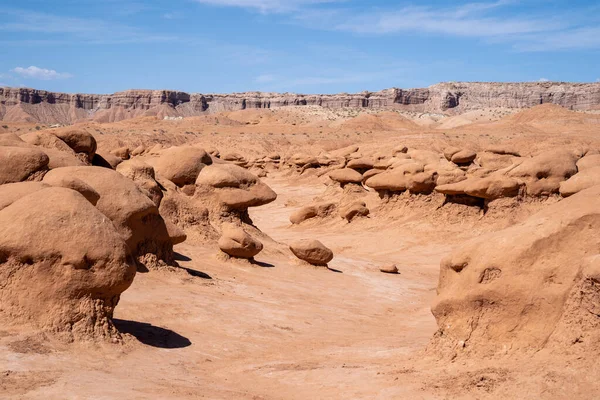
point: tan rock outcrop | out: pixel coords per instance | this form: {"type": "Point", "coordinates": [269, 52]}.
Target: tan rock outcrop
{"type": "Point", "coordinates": [312, 251]}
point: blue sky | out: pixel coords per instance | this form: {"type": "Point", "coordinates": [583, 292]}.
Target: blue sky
{"type": "Point", "coordinates": [304, 46]}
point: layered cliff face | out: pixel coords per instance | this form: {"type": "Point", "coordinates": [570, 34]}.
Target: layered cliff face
{"type": "Point", "coordinates": [30, 105]}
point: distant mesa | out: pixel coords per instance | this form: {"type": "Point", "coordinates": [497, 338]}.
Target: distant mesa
{"type": "Point", "coordinates": [40, 106]}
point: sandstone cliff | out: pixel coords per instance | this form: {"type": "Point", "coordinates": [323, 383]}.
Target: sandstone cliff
{"type": "Point", "coordinates": [30, 105]}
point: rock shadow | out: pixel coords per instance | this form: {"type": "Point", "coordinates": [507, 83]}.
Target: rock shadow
{"type": "Point", "coordinates": [196, 274]}
{"type": "Point", "coordinates": [181, 257]}
{"type": "Point", "coordinates": [151, 335]}
{"type": "Point", "coordinates": [262, 264]}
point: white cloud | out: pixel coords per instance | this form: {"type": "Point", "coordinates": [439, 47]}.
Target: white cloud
{"type": "Point", "coordinates": [172, 15]}
{"type": "Point", "coordinates": [44, 74]}
{"type": "Point", "coordinates": [266, 6]}
{"type": "Point", "coordinates": [469, 20]}
{"type": "Point", "coordinates": [495, 22]}
{"type": "Point", "coordinates": [70, 29]}
{"type": "Point", "coordinates": [265, 78]}
{"type": "Point", "coordinates": [543, 80]}
{"type": "Point", "coordinates": [568, 39]}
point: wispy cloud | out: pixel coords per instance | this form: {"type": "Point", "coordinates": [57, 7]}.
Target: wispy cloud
{"type": "Point", "coordinates": [266, 6]}
{"type": "Point", "coordinates": [568, 39]}
{"type": "Point", "coordinates": [73, 29]}
{"type": "Point", "coordinates": [266, 78]}
{"type": "Point", "coordinates": [543, 80]}
{"type": "Point", "coordinates": [172, 15]}
{"type": "Point", "coordinates": [279, 82]}
{"type": "Point", "coordinates": [469, 20]}
{"type": "Point", "coordinates": [495, 22]}
{"type": "Point", "coordinates": [34, 72]}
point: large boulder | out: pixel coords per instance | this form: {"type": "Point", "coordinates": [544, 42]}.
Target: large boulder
{"type": "Point", "coordinates": [489, 188]}
{"type": "Point", "coordinates": [234, 187]}
{"type": "Point", "coordinates": [410, 176]}
{"type": "Point", "coordinates": [543, 173]}
{"type": "Point", "coordinates": [73, 183]}
{"type": "Point", "coordinates": [320, 210]}
{"type": "Point", "coordinates": [11, 192]}
{"type": "Point", "coordinates": [370, 173]}
{"type": "Point", "coordinates": [19, 164]}
{"type": "Point", "coordinates": [63, 265]}
{"type": "Point", "coordinates": [143, 175]}
{"type": "Point", "coordinates": [134, 215]}
{"type": "Point", "coordinates": [46, 140]}
{"type": "Point", "coordinates": [361, 164]}
{"type": "Point", "coordinates": [354, 210]}
{"type": "Point", "coordinates": [464, 156]}
{"type": "Point", "coordinates": [450, 175]}
{"type": "Point", "coordinates": [580, 181]}
{"type": "Point", "coordinates": [235, 242]}
{"type": "Point", "coordinates": [121, 152]}
{"type": "Point", "coordinates": [531, 286]}
{"type": "Point", "coordinates": [59, 159]}
{"type": "Point", "coordinates": [78, 140]}
{"type": "Point", "coordinates": [393, 181]}
{"type": "Point", "coordinates": [588, 162]}
{"type": "Point", "coordinates": [106, 160]}
{"type": "Point", "coordinates": [312, 251]}
{"type": "Point", "coordinates": [181, 165]}
{"type": "Point", "coordinates": [450, 151]}
{"type": "Point", "coordinates": [345, 176]}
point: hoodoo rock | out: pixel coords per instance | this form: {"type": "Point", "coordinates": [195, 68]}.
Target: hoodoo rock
{"type": "Point", "coordinates": [181, 165]}
{"type": "Point", "coordinates": [235, 242]}
{"type": "Point", "coordinates": [406, 177]}
{"type": "Point", "coordinates": [106, 160]}
{"type": "Point", "coordinates": [463, 157]}
{"type": "Point", "coordinates": [47, 141]}
{"type": "Point", "coordinates": [490, 188]}
{"type": "Point", "coordinates": [320, 210]}
{"type": "Point", "coordinates": [354, 210]}
{"type": "Point", "coordinates": [360, 164]}
{"type": "Point", "coordinates": [73, 183]}
{"type": "Point", "coordinates": [134, 215]}
{"type": "Point", "coordinates": [345, 176]}
{"type": "Point", "coordinates": [450, 151]}
{"type": "Point", "coordinates": [11, 192]}
{"type": "Point", "coordinates": [19, 164]}
{"type": "Point", "coordinates": [121, 152]}
{"type": "Point", "coordinates": [63, 265]}
{"type": "Point", "coordinates": [234, 187]}
{"type": "Point", "coordinates": [143, 175]}
{"type": "Point", "coordinates": [312, 251]}
{"type": "Point", "coordinates": [580, 181]}
{"type": "Point", "coordinates": [543, 173]}
{"type": "Point", "coordinates": [79, 141]}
